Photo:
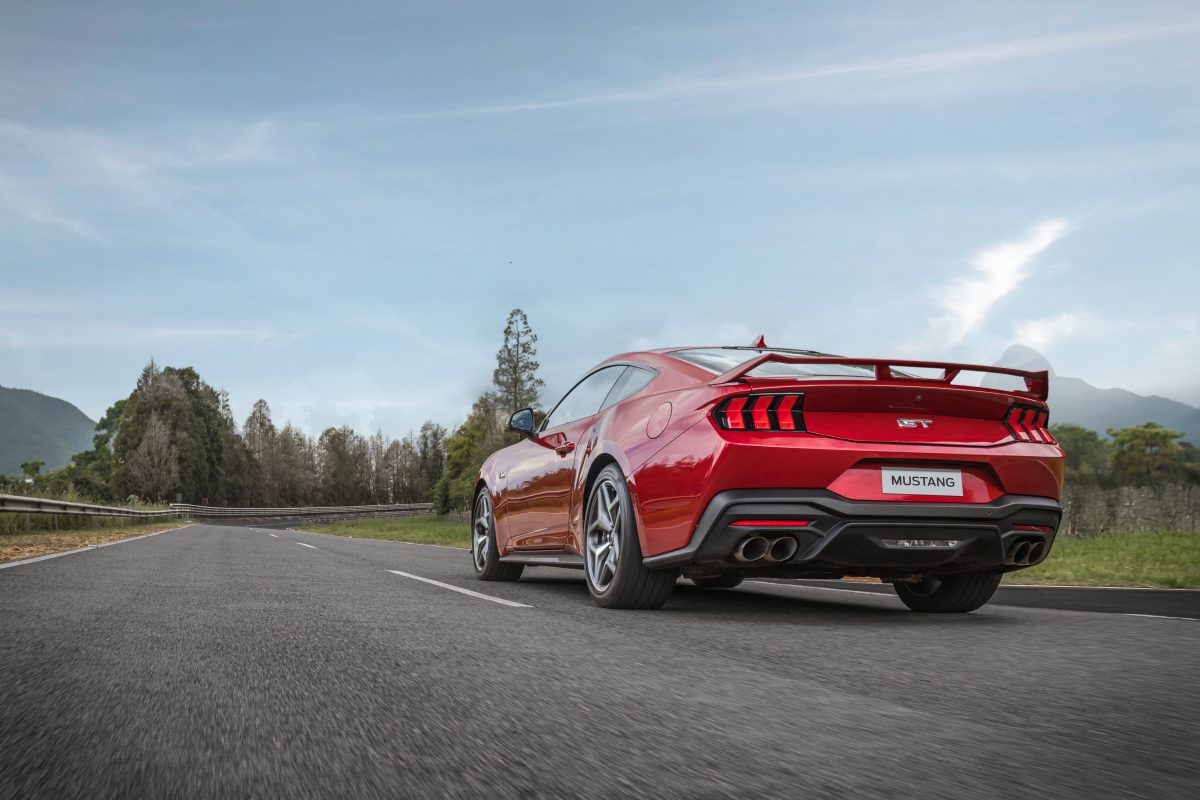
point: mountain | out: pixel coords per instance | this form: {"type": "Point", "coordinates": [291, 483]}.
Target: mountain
{"type": "Point", "coordinates": [1075, 400]}
{"type": "Point", "coordinates": [36, 427]}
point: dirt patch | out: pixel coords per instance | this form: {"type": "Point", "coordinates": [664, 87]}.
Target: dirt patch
{"type": "Point", "coordinates": [15, 546]}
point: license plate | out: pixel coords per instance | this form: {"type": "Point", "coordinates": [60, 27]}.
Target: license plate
{"type": "Point", "coordinates": [910, 480]}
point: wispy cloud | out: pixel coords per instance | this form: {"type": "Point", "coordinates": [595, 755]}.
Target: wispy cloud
{"type": "Point", "coordinates": [996, 271]}
{"type": "Point", "coordinates": [119, 158]}
{"type": "Point", "coordinates": [105, 334]}
{"type": "Point", "coordinates": [947, 60]}
{"type": "Point", "coordinates": [1047, 331]}
{"type": "Point", "coordinates": [49, 172]}
{"type": "Point", "coordinates": [29, 203]}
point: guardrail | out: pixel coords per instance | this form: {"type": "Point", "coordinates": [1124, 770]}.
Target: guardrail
{"type": "Point", "coordinates": [41, 505]}
{"type": "Point", "coordinates": [301, 511]}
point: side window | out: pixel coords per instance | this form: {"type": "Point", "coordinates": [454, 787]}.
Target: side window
{"type": "Point", "coordinates": [585, 399]}
{"type": "Point", "coordinates": [631, 382]}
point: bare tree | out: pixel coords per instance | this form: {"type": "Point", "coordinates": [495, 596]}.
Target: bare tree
{"type": "Point", "coordinates": [154, 467]}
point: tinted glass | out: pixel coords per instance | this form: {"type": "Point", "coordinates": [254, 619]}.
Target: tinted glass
{"type": "Point", "coordinates": [723, 359]}
{"type": "Point", "coordinates": [632, 381]}
{"type": "Point", "coordinates": [585, 399]}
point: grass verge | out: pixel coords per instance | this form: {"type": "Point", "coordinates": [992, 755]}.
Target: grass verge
{"type": "Point", "coordinates": [421, 530]}
{"type": "Point", "coordinates": [1119, 559]}
{"type": "Point", "coordinates": [14, 546]}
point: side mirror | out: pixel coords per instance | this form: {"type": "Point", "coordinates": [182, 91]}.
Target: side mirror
{"type": "Point", "coordinates": [522, 422]}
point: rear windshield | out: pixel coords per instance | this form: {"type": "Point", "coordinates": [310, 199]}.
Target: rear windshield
{"type": "Point", "coordinates": [723, 359]}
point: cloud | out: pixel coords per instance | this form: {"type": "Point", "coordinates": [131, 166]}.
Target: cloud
{"type": "Point", "coordinates": [996, 271]}
{"type": "Point", "coordinates": [119, 159]}
{"type": "Point", "coordinates": [31, 204]}
{"type": "Point", "coordinates": [1046, 331]}
{"type": "Point", "coordinates": [938, 61]}
{"type": "Point", "coordinates": [46, 167]}
{"type": "Point", "coordinates": [104, 334]}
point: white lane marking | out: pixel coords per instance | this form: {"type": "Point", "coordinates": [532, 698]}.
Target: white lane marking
{"type": "Point", "coordinates": [392, 541]}
{"type": "Point", "coordinates": [273, 536]}
{"type": "Point", "coordinates": [49, 556]}
{"type": "Point", "coordinates": [499, 600]}
{"type": "Point", "coordinates": [1160, 616]}
{"type": "Point", "coordinates": [427, 544]}
{"type": "Point", "coordinates": [824, 588]}
{"type": "Point", "coordinates": [310, 546]}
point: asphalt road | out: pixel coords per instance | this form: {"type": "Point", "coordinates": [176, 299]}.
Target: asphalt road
{"type": "Point", "coordinates": [233, 662]}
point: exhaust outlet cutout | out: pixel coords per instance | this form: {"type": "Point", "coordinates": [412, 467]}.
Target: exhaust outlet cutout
{"type": "Point", "coordinates": [782, 549]}
{"type": "Point", "coordinates": [1020, 553]}
{"type": "Point", "coordinates": [1035, 552]}
{"type": "Point", "coordinates": [752, 548]}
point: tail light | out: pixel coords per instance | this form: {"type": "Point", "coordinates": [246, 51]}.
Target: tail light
{"type": "Point", "coordinates": [1029, 424]}
{"type": "Point", "coordinates": [760, 412]}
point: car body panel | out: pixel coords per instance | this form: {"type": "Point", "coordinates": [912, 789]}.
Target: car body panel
{"type": "Point", "coordinates": [854, 428]}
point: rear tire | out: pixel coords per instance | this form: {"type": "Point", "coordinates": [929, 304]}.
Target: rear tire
{"type": "Point", "coordinates": [949, 594]}
{"type": "Point", "coordinates": [616, 576]}
{"type": "Point", "coordinates": [485, 556]}
{"type": "Point", "coordinates": [727, 581]}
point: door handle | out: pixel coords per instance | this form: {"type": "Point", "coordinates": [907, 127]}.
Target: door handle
{"type": "Point", "coordinates": [563, 449]}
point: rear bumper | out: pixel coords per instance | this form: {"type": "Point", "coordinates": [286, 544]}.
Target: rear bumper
{"type": "Point", "coordinates": [854, 537]}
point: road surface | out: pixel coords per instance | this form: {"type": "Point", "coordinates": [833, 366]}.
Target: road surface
{"type": "Point", "coordinates": [240, 662]}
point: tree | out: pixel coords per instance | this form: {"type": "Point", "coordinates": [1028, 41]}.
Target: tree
{"type": "Point", "coordinates": [431, 455]}
{"type": "Point", "coordinates": [298, 473]}
{"type": "Point", "coordinates": [261, 442]}
{"type": "Point", "coordinates": [32, 469]}
{"type": "Point", "coordinates": [154, 467]}
{"type": "Point", "coordinates": [1147, 454]}
{"type": "Point", "coordinates": [515, 375]}
{"type": "Point", "coordinates": [1087, 454]}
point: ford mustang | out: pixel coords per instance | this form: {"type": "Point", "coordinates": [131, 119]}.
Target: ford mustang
{"type": "Point", "coordinates": [723, 463]}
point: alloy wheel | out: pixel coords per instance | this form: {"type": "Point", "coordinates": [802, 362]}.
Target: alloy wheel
{"type": "Point", "coordinates": [480, 540]}
{"type": "Point", "coordinates": [603, 538]}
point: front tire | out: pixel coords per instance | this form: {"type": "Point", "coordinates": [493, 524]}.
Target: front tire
{"type": "Point", "coordinates": [612, 557]}
{"type": "Point", "coordinates": [485, 556]}
{"type": "Point", "coordinates": [949, 594]}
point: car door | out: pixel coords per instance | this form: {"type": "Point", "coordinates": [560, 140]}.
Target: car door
{"type": "Point", "coordinates": [541, 476]}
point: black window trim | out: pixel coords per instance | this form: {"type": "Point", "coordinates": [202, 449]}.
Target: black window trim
{"type": "Point", "coordinates": [542, 428]}
{"type": "Point", "coordinates": [629, 365]}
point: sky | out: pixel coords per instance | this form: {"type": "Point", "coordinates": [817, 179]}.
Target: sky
{"type": "Point", "coordinates": [333, 207]}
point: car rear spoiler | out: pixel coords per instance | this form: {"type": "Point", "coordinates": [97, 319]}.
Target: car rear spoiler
{"type": "Point", "coordinates": [1037, 384]}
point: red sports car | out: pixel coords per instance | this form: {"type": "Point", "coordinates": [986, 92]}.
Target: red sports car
{"type": "Point", "coordinates": [723, 463]}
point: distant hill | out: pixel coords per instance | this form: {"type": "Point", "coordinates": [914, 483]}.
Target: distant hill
{"type": "Point", "coordinates": [1077, 401]}
{"type": "Point", "coordinates": [37, 427]}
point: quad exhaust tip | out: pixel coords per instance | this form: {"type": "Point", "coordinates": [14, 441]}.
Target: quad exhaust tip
{"type": "Point", "coordinates": [752, 548]}
{"type": "Point", "coordinates": [782, 549]}
{"type": "Point", "coordinates": [1026, 552]}
{"type": "Point", "coordinates": [759, 548]}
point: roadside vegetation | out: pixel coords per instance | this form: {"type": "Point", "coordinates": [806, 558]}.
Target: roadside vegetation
{"type": "Point", "coordinates": [1119, 559]}
{"type": "Point", "coordinates": [175, 435]}
{"type": "Point", "coordinates": [448, 531]}
{"type": "Point", "coordinates": [41, 542]}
